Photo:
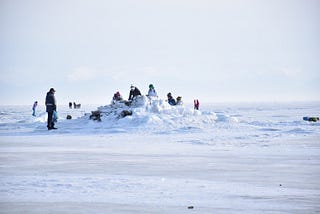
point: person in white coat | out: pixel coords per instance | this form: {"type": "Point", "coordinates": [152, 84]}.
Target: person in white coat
{"type": "Point", "coordinates": [152, 92]}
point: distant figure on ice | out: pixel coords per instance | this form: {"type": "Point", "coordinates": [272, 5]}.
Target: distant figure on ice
{"type": "Point", "coordinates": [76, 105]}
{"type": "Point", "coordinates": [134, 91]}
{"type": "Point", "coordinates": [35, 104]}
{"type": "Point", "coordinates": [117, 97]}
{"type": "Point", "coordinates": [51, 107]}
{"type": "Point", "coordinates": [179, 101]}
{"type": "Point", "coordinates": [196, 104]}
{"type": "Point", "coordinates": [171, 100]}
{"type": "Point", "coordinates": [152, 92]}
{"type": "Point", "coordinates": [70, 104]}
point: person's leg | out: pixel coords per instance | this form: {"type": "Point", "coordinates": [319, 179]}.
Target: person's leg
{"type": "Point", "coordinates": [52, 125]}
{"type": "Point", "coordinates": [50, 120]}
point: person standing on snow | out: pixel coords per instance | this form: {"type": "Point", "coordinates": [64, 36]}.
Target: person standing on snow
{"type": "Point", "coordinates": [134, 92]}
{"type": "Point", "coordinates": [35, 104]}
{"type": "Point", "coordinates": [196, 104]}
{"type": "Point", "coordinates": [152, 92]}
{"type": "Point", "coordinates": [51, 107]}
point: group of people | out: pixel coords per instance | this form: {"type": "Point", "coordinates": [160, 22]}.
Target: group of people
{"type": "Point", "coordinates": [51, 106]}
{"type": "Point", "coordinates": [75, 105]}
{"type": "Point", "coordinates": [173, 101]}
{"type": "Point", "coordinates": [134, 92]}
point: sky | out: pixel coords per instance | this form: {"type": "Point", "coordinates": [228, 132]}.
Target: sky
{"type": "Point", "coordinates": [211, 50]}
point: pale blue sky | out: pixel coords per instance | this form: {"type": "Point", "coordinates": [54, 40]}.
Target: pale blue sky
{"type": "Point", "coordinates": [231, 50]}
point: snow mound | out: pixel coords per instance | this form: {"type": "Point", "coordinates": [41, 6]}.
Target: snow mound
{"type": "Point", "coordinates": [152, 113]}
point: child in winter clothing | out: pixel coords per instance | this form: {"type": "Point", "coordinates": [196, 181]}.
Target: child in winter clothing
{"type": "Point", "coordinates": [152, 92]}
{"type": "Point", "coordinates": [179, 101]}
{"type": "Point", "coordinates": [171, 100]}
{"type": "Point", "coordinates": [35, 104]}
{"type": "Point", "coordinates": [196, 104]}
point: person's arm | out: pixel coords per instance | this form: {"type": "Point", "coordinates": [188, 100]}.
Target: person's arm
{"type": "Point", "coordinates": [130, 95]}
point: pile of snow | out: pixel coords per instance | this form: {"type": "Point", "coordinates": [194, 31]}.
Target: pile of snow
{"type": "Point", "coordinates": [151, 113]}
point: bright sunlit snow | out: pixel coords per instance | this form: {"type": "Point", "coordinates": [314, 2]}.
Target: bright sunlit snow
{"type": "Point", "coordinates": [230, 158]}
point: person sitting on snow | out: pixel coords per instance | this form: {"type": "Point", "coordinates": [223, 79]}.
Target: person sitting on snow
{"type": "Point", "coordinates": [152, 92]}
{"type": "Point", "coordinates": [179, 101]}
{"type": "Point", "coordinates": [171, 100]}
{"type": "Point", "coordinates": [134, 92]}
{"type": "Point", "coordinates": [117, 97]}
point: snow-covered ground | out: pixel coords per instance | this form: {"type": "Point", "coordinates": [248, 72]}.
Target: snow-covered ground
{"type": "Point", "coordinates": [225, 158]}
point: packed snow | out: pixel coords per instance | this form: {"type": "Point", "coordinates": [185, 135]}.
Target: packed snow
{"type": "Point", "coordinates": [223, 158]}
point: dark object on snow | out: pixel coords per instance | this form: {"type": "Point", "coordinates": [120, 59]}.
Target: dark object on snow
{"type": "Point", "coordinates": [125, 113]}
{"type": "Point", "coordinates": [75, 106]}
{"type": "Point", "coordinates": [128, 103]}
{"type": "Point", "coordinates": [134, 92]}
{"type": "Point", "coordinates": [196, 104]}
{"type": "Point", "coordinates": [69, 117]}
{"type": "Point", "coordinates": [311, 119]}
{"type": "Point", "coordinates": [50, 108]}
{"type": "Point", "coordinates": [190, 207]}
{"type": "Point", "coordinates": [171, 100]}
{"type": "Point", "coordinates": [95, 115]}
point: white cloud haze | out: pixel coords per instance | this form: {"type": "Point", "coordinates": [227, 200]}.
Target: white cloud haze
{"type": "Point", "coordinates": [213, 50]}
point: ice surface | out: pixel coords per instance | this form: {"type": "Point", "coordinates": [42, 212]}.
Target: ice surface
{"type": "Point", "coordinates": [225, 158]}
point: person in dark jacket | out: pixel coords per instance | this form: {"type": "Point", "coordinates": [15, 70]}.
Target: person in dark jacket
{"type": "Point", "coordinates": [51, 107]}
{"type": "Point", "coordinates": [171, 100]}
{"type": "Point", "coordinates": [134, 92]}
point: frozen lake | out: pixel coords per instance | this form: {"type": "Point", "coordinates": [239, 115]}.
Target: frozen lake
{"type": "Point", "coordinates": [225, 158]}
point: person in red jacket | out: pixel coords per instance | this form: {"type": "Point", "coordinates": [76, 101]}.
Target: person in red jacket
{"type": "Point", "coordinates": [196, 104]}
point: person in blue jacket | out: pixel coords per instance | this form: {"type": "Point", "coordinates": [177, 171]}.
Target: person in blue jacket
{"type": "Point", "coordinates": [171, 100]}
{"type": "Point", "coordinates": [50, 108]}
{"type": "Point", "coordinates": [34, 107]}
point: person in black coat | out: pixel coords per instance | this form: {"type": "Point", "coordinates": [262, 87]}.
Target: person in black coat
{"type": "Point", "coordinates": [50, 107]}
{"type": "Point", "coordinates": [134, 92]}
